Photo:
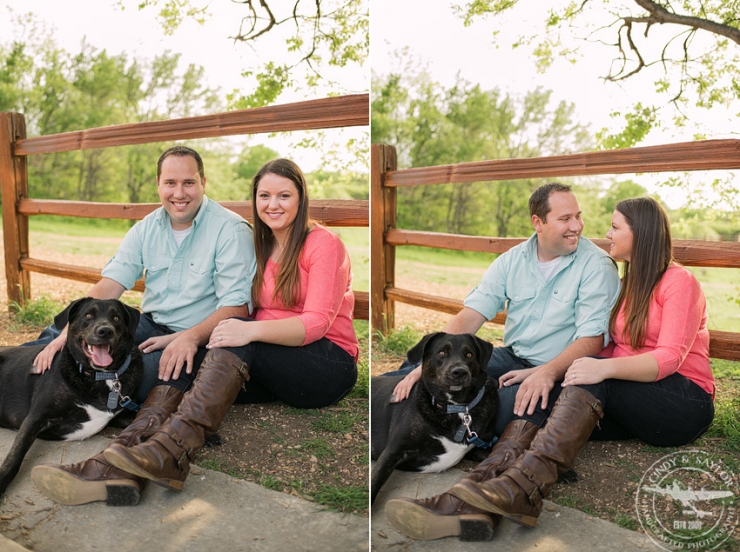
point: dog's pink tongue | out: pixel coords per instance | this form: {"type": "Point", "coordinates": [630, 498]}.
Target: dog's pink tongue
{"type": "Point", "coordinates": [100, 356]}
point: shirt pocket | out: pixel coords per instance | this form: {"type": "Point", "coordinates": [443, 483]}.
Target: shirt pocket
{"type": "Point", "coordinates": [518, 293]}
{"type": "Point", "coordinates": [565, 294]}
{"type": "Point", "coordinates": [156, 268]}
{"type": "Point", "coordinates": [201, 268]}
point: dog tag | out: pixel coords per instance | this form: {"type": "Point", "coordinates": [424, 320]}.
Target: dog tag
{"type": "Point", "coordinates": [112, 400]}
{"type": "Point", "coordinates": [460, 434]}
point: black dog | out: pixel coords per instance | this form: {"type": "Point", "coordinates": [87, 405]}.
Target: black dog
{"type": "Point", "coordinates": [428, 431]}
{"type": "Point", "coordinates": [89, 379]}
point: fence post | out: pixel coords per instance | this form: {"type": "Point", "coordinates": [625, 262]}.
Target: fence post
{"type": "Point", "coordinates": [382, 217]}
{"type": "Point", "coordinates": [14, 186]}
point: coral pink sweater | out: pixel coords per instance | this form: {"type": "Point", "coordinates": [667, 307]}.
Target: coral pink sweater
{"type": "Point", "coordinates": [677, 333]}
{"type": "Point", "coordinates": [326, 302]}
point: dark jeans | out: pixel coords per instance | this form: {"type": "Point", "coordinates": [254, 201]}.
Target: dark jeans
{"type": "Point", "coordinates": [670, 412]}
{"type": "Point", "coordinates": [311, 376]}
{"type": "Point", "coordinates": [502, 360]}
{"type": "Point", "coordinates": [147, 328]}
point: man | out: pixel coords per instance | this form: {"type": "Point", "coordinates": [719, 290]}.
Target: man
{"type": "Point", "coordinates": [199, 262]}
{"type": "Point", "coordinates": [558, 291]}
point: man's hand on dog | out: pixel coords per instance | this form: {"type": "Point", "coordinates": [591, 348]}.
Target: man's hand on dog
{"type": "Point", "coordinates": [43, 360]}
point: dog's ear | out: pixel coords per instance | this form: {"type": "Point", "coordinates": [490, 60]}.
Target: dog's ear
{"type": "Point", "coordinates": [416, 354]}
{"type": "Point", "coordinates": [132, 316]}
{"type": "Point", "coordinates": [63, 318]}
{"type": "Point", "coordinates": [485, 350]}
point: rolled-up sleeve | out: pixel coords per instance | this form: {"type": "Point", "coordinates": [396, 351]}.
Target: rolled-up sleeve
{"type": "Point", "coordinates": [596, 296]}
{"type": "Point", "coordinates": [127, 265]}
{"type": "Point", "coordinates": [489, 297]}
{"type": "Point", "coordinates": [328, 272]}
{"type": "Point", "coordinates": [683, 306]}
{"type": "Point", "coordinates": [235, 266]}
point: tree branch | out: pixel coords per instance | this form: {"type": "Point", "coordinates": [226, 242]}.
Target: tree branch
{"type": "Point", "coordinates": [660, 15]}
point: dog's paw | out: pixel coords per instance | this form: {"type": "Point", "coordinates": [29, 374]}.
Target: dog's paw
{"type": "Point", "coordinates": [569, 477]}
{"type": "Point", "coordinates": [213, 441]}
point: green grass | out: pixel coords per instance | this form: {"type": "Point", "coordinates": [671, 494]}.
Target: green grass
{"type": "Point", "coordinates": [334, 422]}
{"type": "Point", "coordinates": [270, 482]}
{"type": "Point", "coordinates": [397, 342]}
{"type": "Point", "coordinates": [37, 313]}
{"type": "Point", "coordinates": [342, 499]}
{"type": "Point", "coordinates": [217, 465]}
{"type": "Point", "coordinates": [319, 448]}
{"type": "Point", "coordinates": [357, 242]}
{"type": "Point", "coordinates": [361, 390]}
{"type": "Point", "coordinates": [79, 227]}
{"type": "Point", "coordinates": [726, 423]}
{"type": "Point", "coordinates": [445, 257]}
{"type": "Point", "coordinates": [625, 522]}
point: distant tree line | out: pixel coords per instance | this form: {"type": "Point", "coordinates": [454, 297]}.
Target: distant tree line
{"type": "Point", "coordinates": [430, 124]}
{"type": "Point", "coordinates": [58, 91]}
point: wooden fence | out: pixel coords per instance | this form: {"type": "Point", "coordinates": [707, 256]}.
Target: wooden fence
{"type": "Point", "coordinates": [343, 111]}
{"type": "Point", "coordinates": [385, 236]}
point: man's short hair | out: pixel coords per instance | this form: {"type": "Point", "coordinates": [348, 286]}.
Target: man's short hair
{"type": "Point", "coordinates": [181, 151]}
{"type": "Point", "coordinates": [539, 201]}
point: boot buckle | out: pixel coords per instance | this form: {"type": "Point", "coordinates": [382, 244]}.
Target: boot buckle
{"type": "Point", "coordinates": [182, 458]}
{"type": "Point", "coordinates": [243, 370]}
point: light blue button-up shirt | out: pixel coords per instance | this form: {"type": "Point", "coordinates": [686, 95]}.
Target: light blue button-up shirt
{"type": "Point", "coordinates": [543, 318]}
{"type": "Point", "coordinates": [213, 267]}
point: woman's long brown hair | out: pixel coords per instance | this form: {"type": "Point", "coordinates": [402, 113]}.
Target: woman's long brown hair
{"type": "Point", "coordinates": [288, 283]}
{"type": "Point", "coordinates": [652, 254]}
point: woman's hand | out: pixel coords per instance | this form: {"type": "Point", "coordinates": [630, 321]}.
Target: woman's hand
{"type": "Point", "coordinates": [585, 371]}
{"type": "Point", "coordinates": [233, 333]}
{"type": "Point", "coordinates": [403, 389]}
{"type": "Point", "coordinates": [514, 377]}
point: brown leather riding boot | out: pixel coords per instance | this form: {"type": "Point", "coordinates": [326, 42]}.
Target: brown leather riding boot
{"type": "Point", "coordinates": [446, 515]}
{"type": "Point", "coordinates": [96, 479]}
{"type": "Point", "coordinates": [165, 457]}
{"type": "Point", "coordinates": [518, 492]}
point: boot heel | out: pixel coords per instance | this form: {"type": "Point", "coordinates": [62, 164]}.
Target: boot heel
{"type": "Point", "coordinates": [171, 484]}
{"type": "Point", "coordinates": [475, 528]}
{"type": "Point", "coordinates": [121, 495]}
{"type": "Point", "coordinates": [524, 521]}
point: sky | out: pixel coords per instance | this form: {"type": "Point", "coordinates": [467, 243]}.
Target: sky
{"type": "Point", "coordinates": [440, 41]}
{"type": "Point", "coordinates": [138, 34]}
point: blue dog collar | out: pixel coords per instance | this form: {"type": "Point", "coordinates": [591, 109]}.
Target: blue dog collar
{"type": "Point", "coordinates": [461, 408]}
{"type": "Point", "coordinates": [102, 376]}
{"type": "Point", "coordinates": [472, 437]}
{"type": "Point", "coordinates": [114, 397]}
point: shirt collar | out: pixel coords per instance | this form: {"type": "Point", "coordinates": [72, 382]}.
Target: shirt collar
{"type": "Point", "coordinates": [164, 218]}
{"type": "Point", "coordinates": [531, 251]}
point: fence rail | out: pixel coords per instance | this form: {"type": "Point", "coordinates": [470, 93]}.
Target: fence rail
{"type": "Point", "coordinates": [342, 111]}
{"type": "Point", "coordinates": [385, 236]}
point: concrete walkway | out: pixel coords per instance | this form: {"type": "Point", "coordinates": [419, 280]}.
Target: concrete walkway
{"type": "Point", "coordinates": [214, 512]}
{"type": "Point", "coordinates": [559, 529]}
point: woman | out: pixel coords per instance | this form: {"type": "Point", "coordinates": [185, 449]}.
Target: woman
{"type": "Point", "coordinates": [655, 384]}
{"type": "Point", "coordinates": [300, 348]}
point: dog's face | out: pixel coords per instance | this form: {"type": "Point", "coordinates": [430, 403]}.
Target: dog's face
{"type": "Point", "coordinates": [453, 365]}
{"type": "Point", "coordinates": [101, 332]}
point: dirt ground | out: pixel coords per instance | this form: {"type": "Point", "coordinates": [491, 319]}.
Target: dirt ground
{"type": "Point", "coordinates": [319, 455]}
